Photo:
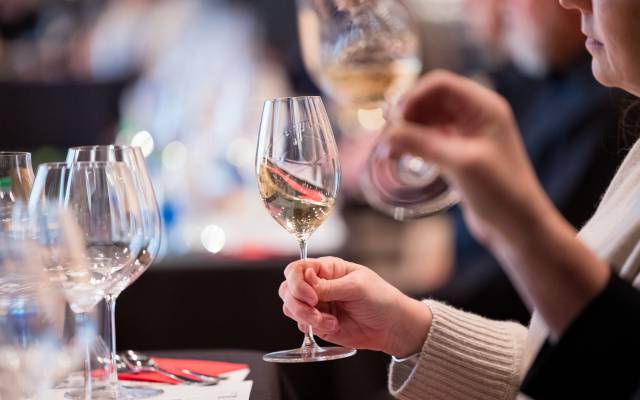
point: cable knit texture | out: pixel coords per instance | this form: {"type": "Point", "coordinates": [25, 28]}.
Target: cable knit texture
{"type": "Point", "coordinates": [466, 356]}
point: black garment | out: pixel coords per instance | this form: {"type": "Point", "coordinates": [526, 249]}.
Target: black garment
{"type": "Point", "coordinates": [569, 125]}
{"type": "Point", "coordinates": [598, 356]}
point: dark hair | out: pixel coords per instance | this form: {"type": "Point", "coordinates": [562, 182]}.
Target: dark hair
{"type": "Point", "coordinates": [630, 121]}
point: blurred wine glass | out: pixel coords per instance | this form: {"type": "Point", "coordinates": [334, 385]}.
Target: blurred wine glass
{"type": "Point", "coordinates": [39, 340]}
{"type": "Point", "coordinates": [362, 53]}
{"type": "Point", "coordinates": [134, 160]}
{"type": "Point", "coordinates": [298, 177]}
{"type": "Point", "coordinates": [102, 201]}
{"type": "Point", "coordinates": [16, 179]}
{"type": "Point", "coordinates": [365, 54]}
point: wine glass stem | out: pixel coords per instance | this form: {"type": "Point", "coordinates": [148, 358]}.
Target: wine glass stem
{"type": "Point", "coordinates": [82, 319]}
{"type": "Point", "coordinates": [303, 249]}
{"type": "Point", "coordinates": [110, 320]}
{"type": "Point", "coordinates": [309, 342]}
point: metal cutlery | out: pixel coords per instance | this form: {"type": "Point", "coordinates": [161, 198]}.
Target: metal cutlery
{"type": "Point", "coordinates": [137, 362]}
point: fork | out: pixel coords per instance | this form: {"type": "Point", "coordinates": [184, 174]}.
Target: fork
{"type": "Point", "coordinates": [136, 366]}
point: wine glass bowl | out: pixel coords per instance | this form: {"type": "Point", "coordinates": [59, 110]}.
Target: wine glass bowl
{"type": "Point", "coordinates": [134, 159]}
{"type": "Point", "coordinates": [361, 53]}
{"type": "Point", "coordinates": [298, 176]}
{"type": "Point", "coordinates": [404, 186]}
{"type": "Point", "coordinates": [365, 54]}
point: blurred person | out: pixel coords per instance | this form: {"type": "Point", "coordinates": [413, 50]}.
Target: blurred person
{"type": "Point", "coordinates": [202, 72]}
{"type": "Point", "coordinates": [442, 352]}
{"type": "Point", "coordinates": [39, 39]}
{"type": "Point", "coordinates": [561, 112]}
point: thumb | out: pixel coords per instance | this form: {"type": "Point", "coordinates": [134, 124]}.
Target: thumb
{"type": "Point", "coordinates": [340, 289]}
{"type": "Point", "coordinates": [431, 144]}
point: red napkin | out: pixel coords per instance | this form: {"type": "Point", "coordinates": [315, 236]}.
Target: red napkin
{"type": "Point", "coordinates": [175, 366]}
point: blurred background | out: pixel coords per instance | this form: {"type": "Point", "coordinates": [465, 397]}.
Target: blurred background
{"type": "Point", "coordinates": [185, 80]}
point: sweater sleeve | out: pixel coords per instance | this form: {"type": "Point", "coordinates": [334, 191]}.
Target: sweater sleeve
{"type": "Point", "coordinates": [590, 359]}
{"type": "Point", "coordinates": [465, 356]}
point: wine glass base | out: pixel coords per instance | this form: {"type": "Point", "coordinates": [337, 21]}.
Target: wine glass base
{"type": "Point", "coordinates": [123, 392]}
{"type": "Point", "coordinates": [126, 392]}
{"type": "Point", "coordinates": [305, 355]}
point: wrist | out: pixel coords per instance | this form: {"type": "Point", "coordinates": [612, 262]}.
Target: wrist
{"type": "Point", "coordinates": [411, 328]}
{"type": "Point", "coordinates": [538, 219]}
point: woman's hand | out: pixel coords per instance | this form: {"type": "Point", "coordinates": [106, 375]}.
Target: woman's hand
{"type": "Point", "coordinates": [350, 305]}
{"type": "Point", "coordinates": [470, 133]}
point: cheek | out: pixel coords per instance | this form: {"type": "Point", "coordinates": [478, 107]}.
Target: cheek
{"type": "Point", "coordinates": [602, 72]}
{"type": "Point", "coordinates": [619, 64]}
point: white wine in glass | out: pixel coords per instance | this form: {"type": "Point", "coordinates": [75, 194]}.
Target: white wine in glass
{"type": "Point", "coordinates": [366, 54]}
{"type": "Point", "coordinates": [361, 53]}
{"type": "Point", "coordinates": [298, 177]}
{"type": "Point", "coordinates": [297, 205]}
{"type": "Point", "coordinates": [369, 84]}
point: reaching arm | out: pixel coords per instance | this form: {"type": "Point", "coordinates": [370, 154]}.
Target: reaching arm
{"type": "Point", "coordinates": [469, 131]}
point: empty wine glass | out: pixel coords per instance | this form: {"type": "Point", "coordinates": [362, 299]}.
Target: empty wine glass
{"type": "Point", "coordinates": [151, 224]}
{"type": "Point", "coordinates": [362, 53]}
{"type": "Point", "coordinates": [102, 200]}
{"type": "Point", "coordinates": [16, 179]}
{"type": "Point", "coordinates": [298, 177]}
{"type": "Point", "coordinates": [38, 340]}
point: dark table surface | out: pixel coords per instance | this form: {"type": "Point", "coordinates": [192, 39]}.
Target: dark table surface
{"type": "Point", "coordinates": [199, 305]}
{"type": "Point", "coordinates": [265, 376]}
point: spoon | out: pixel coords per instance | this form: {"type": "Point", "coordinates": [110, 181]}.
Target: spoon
{"type": "Point", "coordinates": [138, 362]}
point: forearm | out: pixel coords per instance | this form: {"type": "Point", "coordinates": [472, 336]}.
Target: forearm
{"type": "Point", "coordinates": [553, 270]}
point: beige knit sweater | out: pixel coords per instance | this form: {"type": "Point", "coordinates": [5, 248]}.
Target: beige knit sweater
{"type": "Point", "coordinates": [466, 356]}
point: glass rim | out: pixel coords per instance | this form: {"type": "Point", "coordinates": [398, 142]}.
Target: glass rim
{"type": "Point", "coordinates": [63, 164]}
{"type": "Point", "coordinates": [15, 153]}
{"type": "Point", "coordinates": [292, 98]}
{"type": "Point", "coordinates": [105, 146]}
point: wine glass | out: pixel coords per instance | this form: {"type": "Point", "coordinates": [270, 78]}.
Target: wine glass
{"type": "Point", "coordinates": [362, 53]}
{"type": "Point", "coordinates": [37, 340]}
{"type": "Point", "coordinates": [102, 200]}
{"type": "Point", "coordinates": [298, 178]}
{"type": "Point", "coordinates": [151, 223]}
{"type": "Point", "coordinates": [16, 179]}
{"type": "Point", "coordinates": [365, 54]}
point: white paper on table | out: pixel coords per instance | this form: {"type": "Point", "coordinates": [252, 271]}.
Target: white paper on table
{"type": "Point", "coordinates": [228, 391]}
{"type": "Point", "coordinates": [235, 376]}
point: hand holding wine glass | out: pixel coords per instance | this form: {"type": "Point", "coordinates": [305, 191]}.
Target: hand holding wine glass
{"type": "Point", "coordinates": [298, 177]}
{"type": "Point", "coordinates": [351, 305]}
{"type": "Point", "coordinates": [470, 133]}
{"type": "Point", "coordinates": [366, 54]}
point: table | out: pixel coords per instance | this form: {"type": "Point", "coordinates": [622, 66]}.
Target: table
{"type": "Point", "coordinates": [265, 376]}
{"type": "Point", "coordinates": [199, 305]}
